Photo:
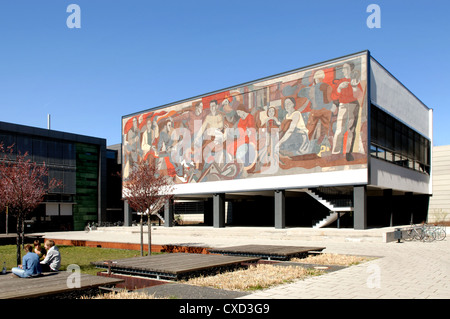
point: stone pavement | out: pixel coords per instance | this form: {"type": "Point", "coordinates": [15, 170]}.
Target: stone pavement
{"type": "Point", "coordinates": [402, 270]}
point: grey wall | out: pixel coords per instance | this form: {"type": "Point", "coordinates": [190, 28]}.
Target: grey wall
{"type": "Point", "coordinates": [390, 95]}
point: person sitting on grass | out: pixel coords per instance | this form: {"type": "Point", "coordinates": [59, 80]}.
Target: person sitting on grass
{"type": "Point", "coordinates": [30, 264]}
{"type": "Point", "coordinates": [52, 260]}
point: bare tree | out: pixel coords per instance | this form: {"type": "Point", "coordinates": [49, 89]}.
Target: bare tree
{"type": "Point", "coordinates": [147, 190]}
{"type": "Point", "coordinates": [23, 185]}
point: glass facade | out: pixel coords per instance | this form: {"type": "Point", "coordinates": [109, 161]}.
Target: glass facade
{"type": "Point", "coordinates": [76, 160]}
{"type": "Point", "coordinates": [58, 156]}
{"type": "Point", "coordinates": [393, 141]}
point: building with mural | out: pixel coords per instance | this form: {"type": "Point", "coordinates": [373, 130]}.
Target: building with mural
{"type": "Point", "coordinates": [339, 143]}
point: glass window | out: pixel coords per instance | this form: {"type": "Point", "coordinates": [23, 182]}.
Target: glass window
{"type": "Point", "coordinates": [9, 140]}
{"type": "Point", "coordinates": [24, 145]}
{"type": "Point", "coordinates": [373, 150]}
{"type": "Point", "coordinates": [382, 128]}
{"type": "Point", "coordinates": [39, 151]}
{"type": "Point", "coordinates": [374, 125]}
{"type": "Point", "coordinates": [68, 153]}
{"type": "Point", "coordinates": [397, 143]}
{"type": "Point", "coordinates": [55, 153]}
{"type": "Point", "coordinates": [390, 133]}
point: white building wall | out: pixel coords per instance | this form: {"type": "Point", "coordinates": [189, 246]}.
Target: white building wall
{"type": "Point", "coordinates": [439, 209]}
{"type": "Point", "coordinates": [342, 178]}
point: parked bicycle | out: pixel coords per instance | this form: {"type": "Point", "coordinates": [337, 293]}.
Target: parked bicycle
{"type": "Point", "coordinates": [439, 232]}
{"type": "Point", "coordinates": [425, 232]}
{"type": "Point", "coordinates": [89, 227]}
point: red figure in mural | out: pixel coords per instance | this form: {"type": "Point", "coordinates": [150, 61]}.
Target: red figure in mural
{"type": "Point", "coordinates": [347, 91]}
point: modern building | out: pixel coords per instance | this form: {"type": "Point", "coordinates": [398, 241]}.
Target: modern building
{"type": "Point", "coordinates": [114, 202]}
{"type": "Point", "coordinates": [341, 143]}
{"type": "Point", "coordinates": [78, 161]}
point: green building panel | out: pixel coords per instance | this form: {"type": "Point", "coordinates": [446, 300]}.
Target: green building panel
{"type": "Point", "coordinates": [86, 209]}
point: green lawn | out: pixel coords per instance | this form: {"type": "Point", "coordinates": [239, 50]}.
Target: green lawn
{"type": "Point", "coordinates": [81, 256]}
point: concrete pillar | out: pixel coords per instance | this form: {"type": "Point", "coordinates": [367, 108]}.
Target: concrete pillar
{"type": "Point", "coordinates": [168, 213]}
{"type": "Point", "coordinates": [360, 207]}
{"type": "Point", "coordinates": [218, 210]}
{"type": "Point", "coordinates": [280, 211]}
{"type": "Point", "coordinates": [127, 215]}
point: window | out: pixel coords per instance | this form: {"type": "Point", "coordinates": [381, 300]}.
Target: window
{"type": "Point", "coordinates": [395, 142]}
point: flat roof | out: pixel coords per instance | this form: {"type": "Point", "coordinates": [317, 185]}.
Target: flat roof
{"type": "Point", "coordinates": [51, 134]}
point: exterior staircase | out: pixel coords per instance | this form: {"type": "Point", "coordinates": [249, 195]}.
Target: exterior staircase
{"type": "Point", "coordinates": [160, 217]}
{"type": "Point", "coordinates": [336, 202]}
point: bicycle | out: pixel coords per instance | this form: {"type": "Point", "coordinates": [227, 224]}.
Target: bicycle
{"type": "Point", "coordinates": [89, 227]}
{"type": "Point", "coordinates": [428, 233]}
{"type": "Point", "coordinates": [439, 232]}
{"type": "Point", "coordinates": [421, 232]}
{"type": "Point", "coordinates": [414, 232]}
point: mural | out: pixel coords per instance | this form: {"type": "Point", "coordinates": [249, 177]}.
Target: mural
{"type": "Point", "coordinates": [310, 121]}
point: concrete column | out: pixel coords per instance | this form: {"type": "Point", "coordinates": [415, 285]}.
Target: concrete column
{"type": "Point", "coordinates": [280, 212]}
{"type": "Point", "coordinates": [127, 215]}
{"type": "Point", "coordinates": [360, 207]}
{"type": "Point", "coordinates": [218, 210]}
{"type": "Point", "coordinates": [168, 213]}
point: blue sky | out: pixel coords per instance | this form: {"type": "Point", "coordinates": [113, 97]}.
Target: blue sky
{"type": "Point", "coordinates": [133, 55]}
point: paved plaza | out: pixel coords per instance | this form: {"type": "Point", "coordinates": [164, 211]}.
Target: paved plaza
{"type": "Point", "coordinates": [401, 270]}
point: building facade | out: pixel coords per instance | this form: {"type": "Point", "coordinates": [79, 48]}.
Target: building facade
{"type": "Point", "coordinates": [440, 201]}
{"type": "Point", "coordinates": [336, 143]}
{"type": "Point", "coordinates": [78, 161]}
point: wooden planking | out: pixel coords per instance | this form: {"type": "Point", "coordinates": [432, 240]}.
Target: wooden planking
{"type": "Point", "coordinates": [273, 251]}
{"type": "Point", "coordinates": [175, 264]}
{"type": "Point", "coordinates": [13, 287]}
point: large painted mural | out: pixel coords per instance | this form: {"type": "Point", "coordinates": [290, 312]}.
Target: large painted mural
{"type": "Point", "coordinates": [313, 120]}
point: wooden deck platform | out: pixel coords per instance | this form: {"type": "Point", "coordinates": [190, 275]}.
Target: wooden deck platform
{"type": "Point", "coordinates": [172, 266]}
{"type": "Point", "coordinates": [266, 251]}
{"type": "Point", "coordinates": [13, 287]}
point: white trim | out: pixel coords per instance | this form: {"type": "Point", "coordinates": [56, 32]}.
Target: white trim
{"type": "Point", "coordinates": [341, 177]}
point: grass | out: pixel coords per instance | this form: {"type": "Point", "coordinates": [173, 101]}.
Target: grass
{"type": "Point", "coordinates": [332, 259]}
{"type": "Point", "coordinates": [122, 295]}
{"type": "Point", "coordinates": [81, 256]}
{"type": "Point", "coordinates": [255, 277]}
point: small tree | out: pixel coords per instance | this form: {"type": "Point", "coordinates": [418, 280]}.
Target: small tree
{"type": "Point", "coordinates": [146, 190]}
{"type": "Point", "coordinates": [23, 185]}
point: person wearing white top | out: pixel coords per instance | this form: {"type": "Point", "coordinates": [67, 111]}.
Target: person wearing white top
{"type": "Point", "coordinates": [52, 260]}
